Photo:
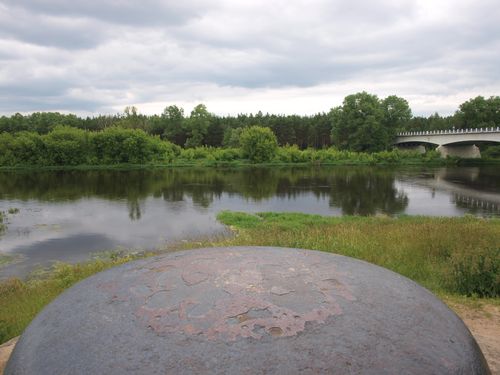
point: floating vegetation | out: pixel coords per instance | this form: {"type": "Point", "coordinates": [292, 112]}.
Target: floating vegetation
{"type": "Point", "coordinates": [5, 259]}
{"type": "Point", "coordinates": [2, 222]}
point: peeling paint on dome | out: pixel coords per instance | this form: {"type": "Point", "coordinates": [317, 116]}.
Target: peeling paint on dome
{"type": "Point", "coordinates": [226, 296]}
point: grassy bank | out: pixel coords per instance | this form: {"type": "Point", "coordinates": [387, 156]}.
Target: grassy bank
{"type": "Point", "coordinates": [21, 300]}
{"type": "Point", "coordinates": [240, 164]}
{"type": "Point", "coordinates": [328, 157]}
{"type": "Point", "coordinates": [447, 255]}
{"type": "Point", "coordinates": [454, 257]}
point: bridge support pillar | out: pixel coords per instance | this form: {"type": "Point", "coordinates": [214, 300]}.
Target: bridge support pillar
{"type": "Point", "coordinates": [461, 151]}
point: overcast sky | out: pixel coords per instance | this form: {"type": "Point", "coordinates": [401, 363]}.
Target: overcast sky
{"type": "Point", "coordinates": [278, 56]}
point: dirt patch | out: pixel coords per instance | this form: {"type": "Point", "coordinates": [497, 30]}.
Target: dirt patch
{"type": "Point", "coordinates": [483, 322]}
{"type": "Point", "coordinates": [5, 351]}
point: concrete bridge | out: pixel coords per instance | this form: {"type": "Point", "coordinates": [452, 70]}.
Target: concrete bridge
{"type": "Point", "coordinates": [452, 142]}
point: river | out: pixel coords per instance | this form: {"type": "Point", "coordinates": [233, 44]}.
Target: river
{"type": "Point", "coordinates": [69, 215]}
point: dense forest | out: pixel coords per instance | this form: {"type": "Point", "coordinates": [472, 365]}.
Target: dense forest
{"type": "Point", "coordinates": [204, 128]}
{"type": "Point", "coordinates": [363, 123]}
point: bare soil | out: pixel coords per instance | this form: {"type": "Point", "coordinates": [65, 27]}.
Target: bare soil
{"type": "Point", "coordinates": [5, 350]}
{"type": "Point", "coordinates": [484, 324]}
{"type": "Point", "coordinates": [483, 321]}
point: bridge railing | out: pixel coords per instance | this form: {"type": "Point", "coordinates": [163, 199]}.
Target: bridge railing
{"type": "Point", "coordinates": [452, 131]}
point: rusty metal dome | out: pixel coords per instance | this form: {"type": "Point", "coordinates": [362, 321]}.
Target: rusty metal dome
{"type": "Point", "coordinates": [247, 310]}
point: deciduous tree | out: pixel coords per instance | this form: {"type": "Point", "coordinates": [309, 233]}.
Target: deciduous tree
{"type": "Point", "coordinates": [358, 124]}
{"type": "Point", "coordinates": [258, 144]}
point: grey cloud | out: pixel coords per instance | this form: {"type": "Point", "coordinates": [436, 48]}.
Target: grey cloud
{"type": "Point", "coordinates": [299, 50]}
{"type": "Point", "coordinates": [86, 24]}
{"type": "Point", "coordinates": [7, 56]}
{"type": "Point", "coordinates": [372, 12]}
{"type": "Point", "coordinates": [130, 12]}
{"type": "Point", "coordinates": [62, 37]}
{"type": "Point", "coordinates": [142, 51]}
{"type": "Point", "coordinates": [11, 104]}
{"type": "Point", "coordinates": [35, 87]}
{"type": "Point", "coordinates": [65, 33]}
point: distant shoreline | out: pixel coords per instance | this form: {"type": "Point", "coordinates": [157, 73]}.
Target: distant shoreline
{"type": "Point", "coordinates": [238, 164]}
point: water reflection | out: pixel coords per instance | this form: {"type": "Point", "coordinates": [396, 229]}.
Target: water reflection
{"type": "Point", "coordinates": [362, 191]}
{"type": "Point", "coordinates": [67, 215]}
{"type": "Point", "coordinates": [475, 189]}
{"type": "Point", "coordinates": [366, 192]}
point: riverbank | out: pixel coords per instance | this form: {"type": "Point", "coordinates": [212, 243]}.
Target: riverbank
{"type": "Point", "coordinates": [449, 256]}
{"type": "Point", "coordinates": [458, 255]}
{"type": "Point", "coordinates": [453, 257]}
{"type": "Point", "coordinates": [21, 300]}
{"type": "Point", "coordinates": [364, 160]}
{"type": "Point", "coordinates": [243, 163]}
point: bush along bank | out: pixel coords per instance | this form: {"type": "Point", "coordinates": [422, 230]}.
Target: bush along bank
{"type": "Point", "coordinates": [66, 146]}
{"type": "Point", "coordinates": [72, 147]}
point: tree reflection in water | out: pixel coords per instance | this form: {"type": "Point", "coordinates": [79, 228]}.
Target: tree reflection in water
{"type": "Point", "coordinates": [366, 192]}
{"type": "Point", "coordinates": [357, 191]}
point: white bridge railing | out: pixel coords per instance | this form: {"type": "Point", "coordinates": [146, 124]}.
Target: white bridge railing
{"type": "Point", "coordinates": [452, 131]}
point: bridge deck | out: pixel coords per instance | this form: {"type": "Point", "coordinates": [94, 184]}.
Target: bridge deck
{"type": "Point", "coordinates": [450, 136]}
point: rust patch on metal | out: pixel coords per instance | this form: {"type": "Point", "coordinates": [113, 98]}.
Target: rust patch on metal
{"type": "Point", "coordinates": [235, 295]}
{"type": "Point", "coordinates": [194, 277]}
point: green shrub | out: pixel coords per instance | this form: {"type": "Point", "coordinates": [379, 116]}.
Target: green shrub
{"type": "Point", "coordinates": [117, 146]}
{"type": "Point", "coordinates": [491, 152]}
{"type": "Point", "coordinates": [258, 144]}
{"type": "Point", "coordinates": [196, 153]}
{"type": "Point", "coordinates": [23, 148]}
{"type": "Point", "coordinates": [227, 154]}
{"type": "Point", "coordinates": [477, 274]}
{"type": "Point", "coordinates": [292, 154]}
{"type": "Point", "coordinates": [167, 151]}
{"type": "Point", "coordinates": [387, 156]}
{"type": "Point", "coordinates": [431, 155]}
{"type": "Point", "coordinates": [66, 146]}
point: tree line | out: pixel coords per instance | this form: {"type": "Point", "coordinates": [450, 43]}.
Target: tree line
{"type": "Point", "coordinates": [364, 122]}
{"type": "Point", "coordinates": [66, 146]}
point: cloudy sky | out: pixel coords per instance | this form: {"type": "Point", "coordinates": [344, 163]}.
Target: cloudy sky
{"type": "Point", "coordinates": [278, 56]}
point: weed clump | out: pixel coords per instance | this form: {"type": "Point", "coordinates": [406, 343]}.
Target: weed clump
{"type": "Point", "coordinates": [477, 274]}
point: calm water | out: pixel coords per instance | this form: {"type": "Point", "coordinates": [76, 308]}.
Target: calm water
{"type": "Point", "coordinates": [67, 216]}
